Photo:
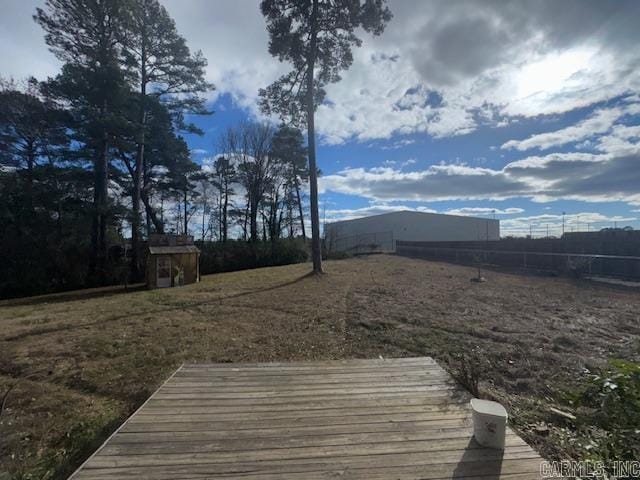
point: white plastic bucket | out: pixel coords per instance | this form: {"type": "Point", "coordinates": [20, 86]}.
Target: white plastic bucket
{"type": "Point", "coordinates": [489, 423]}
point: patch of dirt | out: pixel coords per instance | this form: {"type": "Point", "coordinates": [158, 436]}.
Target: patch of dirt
{"type": "Point", "coordinates": [84, 364]}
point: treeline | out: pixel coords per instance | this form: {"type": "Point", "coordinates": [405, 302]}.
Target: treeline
{"type": "Point", "coordinates": [96, 154]}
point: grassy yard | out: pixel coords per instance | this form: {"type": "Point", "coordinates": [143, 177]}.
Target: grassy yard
{"type": "Point", "coordinates": [80, 365]}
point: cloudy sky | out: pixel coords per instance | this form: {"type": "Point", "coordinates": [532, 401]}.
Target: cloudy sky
{"type": "Point", "coordinates": [522, 110]}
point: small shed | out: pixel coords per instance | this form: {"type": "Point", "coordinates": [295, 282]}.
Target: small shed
{"type": "Point", "coordinates": [172, 260]}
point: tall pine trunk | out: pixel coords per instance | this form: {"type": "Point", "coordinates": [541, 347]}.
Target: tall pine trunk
{"type": "Point", "coordinates": [158, 222]}
{"type": "Point", "coordinates": [290, 211]}
{"type": "Point", "coordinates": [97, 261]}
{"type": "Point", "coordinates": [225, 209]}
{"type": "Point", "coordinates": [253, 223]}
{"type": "Point", "coordinates": [316, 249]}
{"type": "Point", "coordinates": [220, 218]}
{"type": "Point", "coordinates": [244, 222]}
{"type": "Point", "coordinates": [137, 186]}
{"type": "Point", "coordinates": [204, 214]}
{"type": "Point", "coordinates": [137, 181]}
{"type": "Point", "coordinates": [304, 234]}
{"type": "Point", "coordinates": [186, 219]}
{"type": "Point", "coordinates": [102, 208]}
{"type": "Point", "coordinates": [31, 161]}
{"type": "Point", "coordinates": [95, 221]}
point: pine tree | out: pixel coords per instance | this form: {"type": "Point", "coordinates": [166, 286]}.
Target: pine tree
{"type": "Point", "coordinates": [316, 37]}
{"type": "Point", "coordinates": [288, 147]}
{"type": "Point", "coordinates": [33, 129]}
{"type": "Point", "coordinates": [161, 66]}
{"type": "Point", "coordinates": [85, 35]}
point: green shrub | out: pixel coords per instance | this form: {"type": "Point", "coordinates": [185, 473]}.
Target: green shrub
{"type": "Point", "coordinates": [239, 255]}
{"type": "Point", "coordinates": [336, 255]}
{"type": "Point", "coordinates": [609, 412]}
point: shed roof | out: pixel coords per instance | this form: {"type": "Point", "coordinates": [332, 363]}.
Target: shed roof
{"type": "Point", "coordinates": [173, 249]}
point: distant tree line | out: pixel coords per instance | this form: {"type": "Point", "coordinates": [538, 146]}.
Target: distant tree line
{"type": "Point", "coordinates": [96, 154]}
{"type": "Point", "coordinates": [269, 167]}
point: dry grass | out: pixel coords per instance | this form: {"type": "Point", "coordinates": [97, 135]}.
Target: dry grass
{"type": "Point", "coordinates": [82, 364]}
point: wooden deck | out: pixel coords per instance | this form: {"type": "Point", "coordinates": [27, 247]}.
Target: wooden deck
{"type": "Point", "coordinates": [353, 419]}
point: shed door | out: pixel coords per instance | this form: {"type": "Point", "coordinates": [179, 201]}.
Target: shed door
{"type": "Point", "coordinates": [163, 272]}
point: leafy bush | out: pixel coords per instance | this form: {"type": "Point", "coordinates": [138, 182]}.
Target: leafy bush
{"type": "Point", "coordinates": [336, 255]}
{"type": "Point", "coordinates": [239, 255]}
{"type": "Point", "coordinates": [609, 413]}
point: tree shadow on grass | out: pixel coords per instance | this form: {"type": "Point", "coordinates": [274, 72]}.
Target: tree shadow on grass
{"type": "Point", "coordinates": [74, 295]}
{"type": "Point", "coordinates": [166, 308]}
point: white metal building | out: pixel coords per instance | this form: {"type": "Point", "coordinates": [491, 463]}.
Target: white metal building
{"type": "Point", "coordinates": [380, 232]}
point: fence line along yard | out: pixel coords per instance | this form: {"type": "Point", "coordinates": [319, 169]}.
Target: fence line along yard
{"type": "Point", "coordinates": [615, 266]}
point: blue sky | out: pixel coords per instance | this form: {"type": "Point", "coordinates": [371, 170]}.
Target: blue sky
{"type": "Point", "coordinates": [522, 110]}
{"type": "Point", "coordinates": [417, 152]}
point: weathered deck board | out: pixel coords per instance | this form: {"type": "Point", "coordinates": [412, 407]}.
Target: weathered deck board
{"type": "Point", "coordinates": [349, 419]}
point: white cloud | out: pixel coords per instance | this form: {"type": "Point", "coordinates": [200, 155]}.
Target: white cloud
{"type": "Point", "coordinates": [437, 182]}
{"type": "Point", "coordinates": [487, 63]}
{"type": "Point", "coordinates": [398, 144]}
{"type": "Point", "coordinates": [440, 68]}
{"type": "Point", "coordinates": [601, 121]}
{"type": "Point", "coordinates": [552, 224]}
{"type": "Point", "coordinates": [622, 138]}
{"type": "Point", "coordinates": [471, 211]}
{"type": "Point", "coordinates": [199, 151]}
{"type": "Point", "coordinates": [572, 176]}
{"type": "Point", "coordinates": [22, 49]}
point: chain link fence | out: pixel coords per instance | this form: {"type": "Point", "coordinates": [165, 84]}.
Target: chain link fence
{"type": "Point", "coordinates": [579, 264]}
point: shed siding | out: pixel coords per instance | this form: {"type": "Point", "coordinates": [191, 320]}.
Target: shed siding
{"type": "Point", "coordinates": [187, 261]}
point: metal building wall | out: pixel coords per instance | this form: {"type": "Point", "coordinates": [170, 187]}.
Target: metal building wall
{"type": "Point", "coordinates": [413, 226]}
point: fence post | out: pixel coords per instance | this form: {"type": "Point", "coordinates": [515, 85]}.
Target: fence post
{"type": "Point", "coordinates": [525, 259]}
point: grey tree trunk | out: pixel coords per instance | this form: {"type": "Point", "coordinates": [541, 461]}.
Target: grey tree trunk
{"type": "Point", "coordinates": [225, 210]}
{"type": "Point", "coordinates": [304, 234]}
{"type": "Point", "coordinates": [316, 248]}
{"type": "Point", "coordinates": [253, 223]}
{"type": "Point", "coordinates": [103, 210]}
{"type": "Point", "coordinates": [186, 219]}
{"type": "Point", "coordinates": [158, 223]}
{"type": "Point", "coordinates": [137, 180]}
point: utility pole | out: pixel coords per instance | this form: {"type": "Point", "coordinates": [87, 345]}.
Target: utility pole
{"type": "Point", "coordinates": [563, 214]}
{"type": "Point", "coordinates": [547, 230]}
{"type": "Point", "coordinates": [530, 231]}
